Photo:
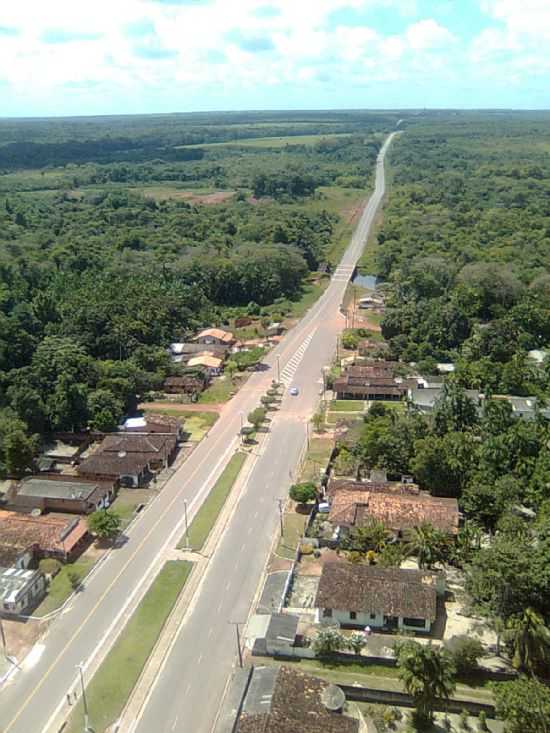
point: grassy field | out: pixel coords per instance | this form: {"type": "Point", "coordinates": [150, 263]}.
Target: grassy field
{"type": "Point", "coordinates": [316, 458]}
{"type": "Point", "coordinates": [221, 390]}
{"type": "Point", "coordinates": [206, 517]}
{"type": "Point", "coordinates": [197, 424]}
{"type": "Point", "coordinates": [61, 588]}
{"type": "Point", "coordinates": [294, 525]}
{"type": "Point", "coordinates": [269, 142]}
{"type": "Point", "coordinates": [126, 502]}
{"type": "Point", "coordinates": [114, 681]}
{"type": "Point", "coordinates": [347, 406]}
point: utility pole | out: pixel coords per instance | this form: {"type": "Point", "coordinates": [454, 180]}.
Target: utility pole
{"type": "Point", "coordinates": [87, 728]}
{"type": "Point", "coordinates": [241, 415]}
{"type": "Point", "coordinates": [278, 369]}
{"type": "Point", "coordinates": [236, 624]}
{"type": "Point", "coordinates": [187, 544]}
{"type": "Point", "coordinates": [281, 523]}
{"type": "Point", "coordinates": [353, 311]}
{"type": "Point", "coordinates": [4, 644]}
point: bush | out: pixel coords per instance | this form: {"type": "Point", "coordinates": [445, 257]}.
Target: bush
{"type": "Point", "coordinates": [302, 493]}
{"type": "Point", "coordinates": [50, 566]}
{"type": "Point", "coordinates": [327, 642]}
{"type": "Point", "coordinates": [465, 652]}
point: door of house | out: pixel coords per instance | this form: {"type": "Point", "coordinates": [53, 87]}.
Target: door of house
{"type": "Point", "coordinates": [390, 622]}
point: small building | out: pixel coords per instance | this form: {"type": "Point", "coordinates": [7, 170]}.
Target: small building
{"type": "Point", "coordinates": [59, 493]}
{"type": "Point", "coordinates": [215, 336]}
{"type": "Point", "coordinates": [284, 700]}
{"type": "Point", "coordinates": [20, 589]}
{"type": "Point", "coordinates": [525, 408]}
{"type": "Point", "coordinates": [61, 536]}
{"type": "Point", "coordinates": [151, 423]}
{"type": "Point", "coordinates": [538, 355]}
{"type": "Point", "coordinates": [274, 329]}
{"type": "Point", "coordinates": [130, 458]}
{"type": "Point", "coordinates": [373, 380]}
{"type": "Point", "coordinates": [182, 352]}
{"type": "Point", "coordinates": [211, 364]}
{"type": "Point", "coordinates": [352, 595]}
{"type": "Point", "coordinates": [190, 384]}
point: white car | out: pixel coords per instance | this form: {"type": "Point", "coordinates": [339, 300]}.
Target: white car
{"type": "Point", "coordinates": [294, 391]}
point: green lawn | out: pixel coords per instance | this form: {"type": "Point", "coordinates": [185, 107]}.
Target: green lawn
{"type": "Point", "coordinates": [347, 406]}
{"type": "Point", "coordinates": [60, 587]}
{"type": "Point", "coordinates": [221, 390]}
{"type": "Point", "coordinates": [111, 686]}
{"type": "Point", "coordinates": [126, 502]}
{"type": "Point", "coordinates": [206, 517]}
{"type": "Point", "coordinates": [316, 458]}
{"type": "Point", "coordinates": [389, 405]}
{"type": "Point", "coordinates": [294, 525]}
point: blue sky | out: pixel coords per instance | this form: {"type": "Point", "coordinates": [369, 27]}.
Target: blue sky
{"type": "Point", "coordinates": [63, 57]}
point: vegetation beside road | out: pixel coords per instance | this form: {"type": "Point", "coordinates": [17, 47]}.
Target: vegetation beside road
{"type": "Point", "coordinates": [111, 686]}
{"type": "Point", "coordinates": [63, 584]}
{"type": "Point", "coordinates": [206, 517]}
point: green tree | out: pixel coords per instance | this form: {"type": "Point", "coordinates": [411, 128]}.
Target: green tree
{"type": "Point", "coordinates": [427, 674]}
{"type": "Point", "coordinates": [524, 705]}
{"type": "Point", "coordinates": [357, 642]}
{"type": "Point", "coordinates": [530, 640]}
{"type": "Point", "coordinates": [444, 464]}
{"type": "Point", "coordinates": [372, 536]}
{"type": "Point", "coordinates": [18, 452]}
{"type": "Point", "coordinates": [104, 523]}
{"type": "Point", "coordinates": [465, 652]}
{"type": "Point", "coordinates": [428, 544]}
{"type": "Point", "coordinates": [105, 410]}
{"type": "Point", "coordinates": [303, 493]}
{"type": "Point", "coordinates": [257, 417]}
{"type": "Point", "coordinates": [455, 411]}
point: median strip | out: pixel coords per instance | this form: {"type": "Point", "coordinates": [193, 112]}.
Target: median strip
{"type": "Point", "coordinates": [112, 684]}
{"type": "Point", "coordinates": [206, 517]}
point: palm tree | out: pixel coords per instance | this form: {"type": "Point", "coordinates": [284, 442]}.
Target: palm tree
{"type": "Point", "coordinates": [530, 639]}
{"type": "Point", "coordinates": [427, 674]}
{"type": "Point", "coordinates": [428, 544]}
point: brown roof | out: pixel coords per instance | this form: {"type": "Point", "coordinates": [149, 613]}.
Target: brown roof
{"type": "Point", "coordinates": [186, 382]}
{"type": "Point", "coordinates": [399, 507]}
{"type": "Point", "coordinates": [371, 589]}
{"type": "Point", "coordinates": [217, 333]}
{"type": "Point", "coordinates": [157, 424]}
{"type": "Point", "coordinates": [205, 360]}
{"type": "Point", "coordinates": [296, 707]}
{"type": "Point", "coordinates": [49, 533]}
{"type": "Point", "coordinates": [128, 453]}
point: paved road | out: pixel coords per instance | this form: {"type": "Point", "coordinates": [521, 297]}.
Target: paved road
{"type": "Point", "coordinates": [190, 686]}
{"type": "Point", "coordinates": [33, 695]}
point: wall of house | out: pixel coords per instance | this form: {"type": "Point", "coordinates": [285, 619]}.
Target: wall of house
{"type": "Point", "coordinates": [374, 620]}
{"type": "Point", "coordinates": [29, 596]}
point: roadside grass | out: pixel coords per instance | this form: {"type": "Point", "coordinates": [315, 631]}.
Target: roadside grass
{"type": "Point", "coordinates": [311, 292]}
{"type": "Point", "coordinates": [316, 458]}
{"type": "Point", "coordinates": [126, 502]}
{"type": "Point", "coordinates": [197, 424]}
{"type": "Point", "coordinates": [397, 406]}
{"type": "Point", "coordinates": [115, 679]}
{"type": "Point", "coordinates": [206, 517]}
{"type": "Point", "coordinates": [294, 525]}
{"type": "Point", "coordinates": [347, 406]}
{"type": "Point", "coordinates": [61, 588]}
{"type": "Point", "coordinates": [221, 390]}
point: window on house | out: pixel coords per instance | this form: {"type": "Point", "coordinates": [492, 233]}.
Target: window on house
{"type": "Point", "coordinates": [327, 613]}
{"type": "Point", "coordinates": [418, 622]}
{"type": "Point", "coordinates": [353, 615]}
{"type": "Point", "coordinates": [372, 616]}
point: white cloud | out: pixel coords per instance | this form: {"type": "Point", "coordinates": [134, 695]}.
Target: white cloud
{"type": "Point", "coordinates": [428, 34]}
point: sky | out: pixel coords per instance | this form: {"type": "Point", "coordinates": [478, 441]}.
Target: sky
{"type": "Point", "coordinates": [75, 57]}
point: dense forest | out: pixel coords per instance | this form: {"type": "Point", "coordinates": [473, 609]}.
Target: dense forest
{"type": "Point", "coordinates": [106, 257]}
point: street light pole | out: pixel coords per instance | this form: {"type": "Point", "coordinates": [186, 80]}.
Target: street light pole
{"type": "Point", "coordinates": [282, 525]}
{"type": "Point", "coordinates": [241, 415]}
{"type": "Point", "coordinates": [187, 544]}
{"type": "Point", "coordinates": [87, 728]}
{"type": "Point", "coordinates": [278, 369]}
{"type": "Point", "coordinates": [239, 650]}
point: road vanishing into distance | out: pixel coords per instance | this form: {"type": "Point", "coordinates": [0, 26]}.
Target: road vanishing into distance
{"type": "Point", "coordinates": [190, 686]}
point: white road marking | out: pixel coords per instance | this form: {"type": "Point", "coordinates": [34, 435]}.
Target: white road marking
{"type": "Point", "coordinates": [199, 660]}
{"type": "Point", "coordinates": [210, 632]}
{"type": "Point", "coordinates": [175, 722]}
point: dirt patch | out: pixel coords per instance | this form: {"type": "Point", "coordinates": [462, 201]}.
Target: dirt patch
{"type": "Point", "coordinates": [21, 635]}
{"type": "Point", "coordinates": [213, 198]}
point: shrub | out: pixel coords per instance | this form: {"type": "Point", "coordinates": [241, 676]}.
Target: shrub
{"type": "Point", "coordinates": [302, 493]}
{"type": "Point", "coordinates": [327, 642]}
{"type": "Point", "coordinates": [50, 566]}
{"type": "Point", "coordinates": [465, 652]}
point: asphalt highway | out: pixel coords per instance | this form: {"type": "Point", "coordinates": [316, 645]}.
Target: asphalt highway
{"type": "Point", "coordinates": [188, 690]}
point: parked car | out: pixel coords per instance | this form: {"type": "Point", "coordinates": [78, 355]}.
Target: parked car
{"type": "Point", "coordinates": [294, 391]}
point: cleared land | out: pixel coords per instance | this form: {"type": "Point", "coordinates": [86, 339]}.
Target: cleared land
{"type": "Point", "coordinates": [269, 142]}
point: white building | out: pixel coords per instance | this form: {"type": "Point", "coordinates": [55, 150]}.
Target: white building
{"type": "Point", "coordinates": [357, 596]}
{"type": "Point", "coordinates": [20, 589]}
